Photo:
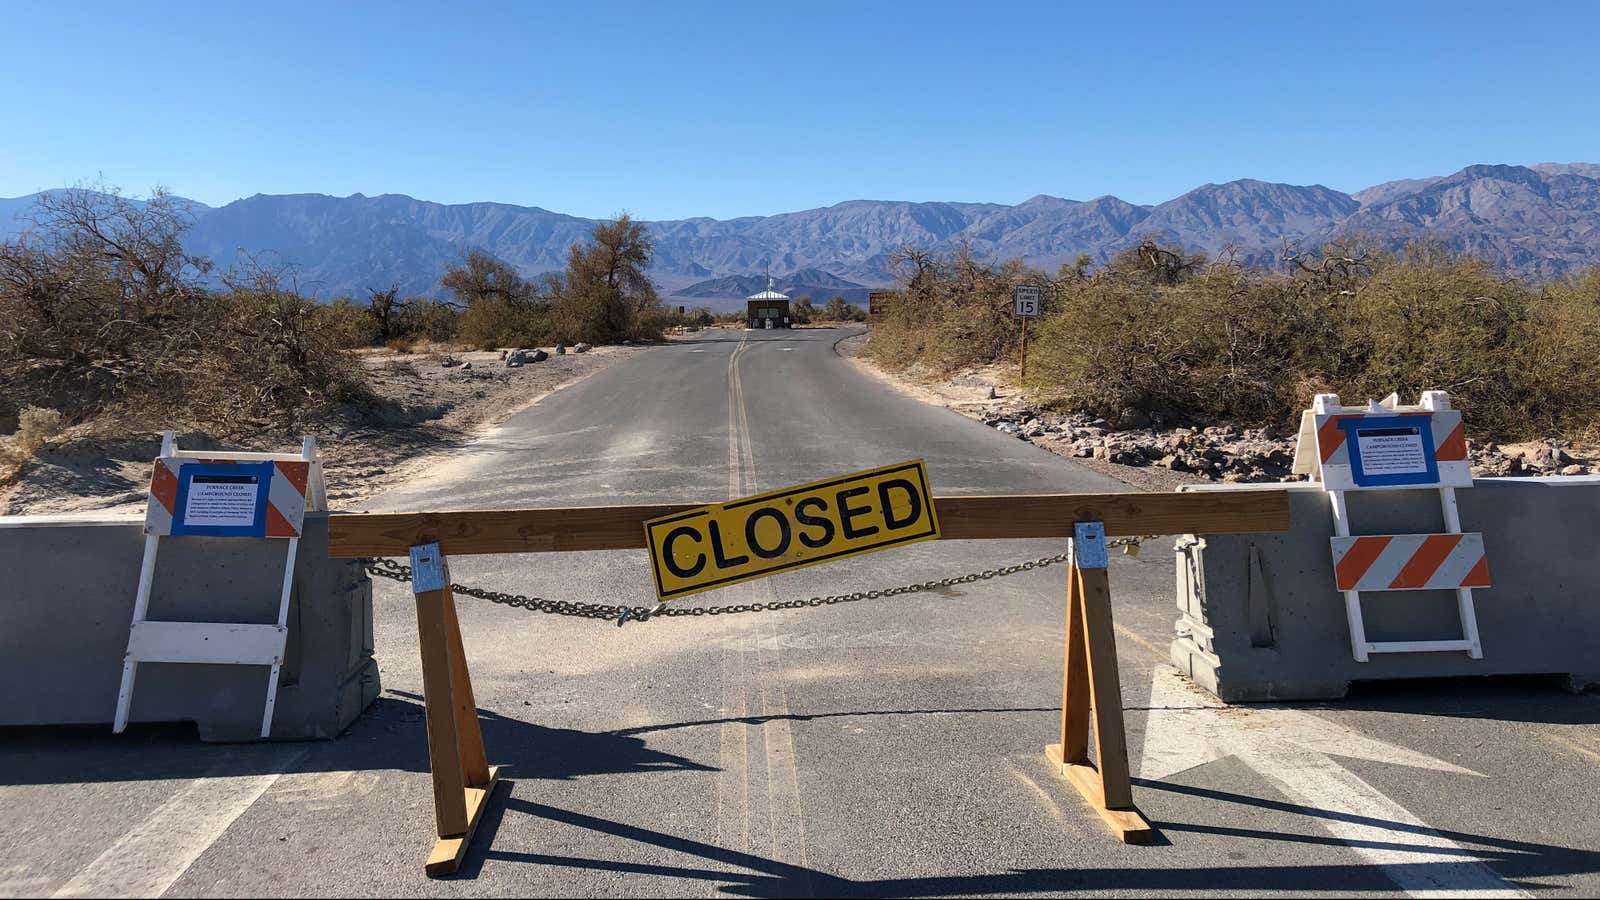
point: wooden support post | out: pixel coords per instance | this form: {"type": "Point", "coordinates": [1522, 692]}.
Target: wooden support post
{"type": "Point", "coordinates": [462, 778]}
{"type": "Point", "coordinates": [1075, 679]}
{"type": "Point", "coordinates": [1091, 683]}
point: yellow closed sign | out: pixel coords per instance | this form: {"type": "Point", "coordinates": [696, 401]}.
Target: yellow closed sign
{"type": "Point", "coordinates": [754, 537]}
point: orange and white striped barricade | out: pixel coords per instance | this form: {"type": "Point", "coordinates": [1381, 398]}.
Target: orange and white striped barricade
{"type": "Point", "coordinates": [202, 493]}
{"type": "Point", "coordinates": [1386, 446]}
{"type": "Point", "coordinates": [1410, 562]}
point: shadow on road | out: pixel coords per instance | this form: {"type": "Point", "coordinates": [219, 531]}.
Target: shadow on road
{"type": "Point", "coordinates": [390, 735]}
{"type": "Point", "coordinates": [1543, 699]}
{"type": "Point", "coordinates": [745, 874]}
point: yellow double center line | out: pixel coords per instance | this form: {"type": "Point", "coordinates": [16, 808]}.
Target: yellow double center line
{"type": "Point", "coordinates": [741, 456]}
{"type": "Point", "coordinates": [781, 836]}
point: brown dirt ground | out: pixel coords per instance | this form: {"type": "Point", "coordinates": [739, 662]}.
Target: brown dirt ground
{"type": "Point", "coordinates": [425, 410]}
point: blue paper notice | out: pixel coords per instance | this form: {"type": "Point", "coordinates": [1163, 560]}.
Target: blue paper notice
{"type": "Point", "coordinates": [1391, 451]}
{"type": "Point", "coordinates": [222, 499]}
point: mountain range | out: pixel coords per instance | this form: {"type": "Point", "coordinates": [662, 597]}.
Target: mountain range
{"type": "Point", "coordinates": [819, 285]}
{"type": "Point", "coordinates": [1540, 221]}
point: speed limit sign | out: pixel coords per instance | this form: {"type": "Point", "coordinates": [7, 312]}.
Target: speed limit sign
{"type": "Point", "coordinates": [1028, 301]}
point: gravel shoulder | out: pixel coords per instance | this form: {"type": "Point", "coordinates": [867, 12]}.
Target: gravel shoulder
{"type": "Point", "coordinates": [427, 405]}
{"type": "Point", "coordinates": [987, 395]}
{"type": "Point", "coordinates": [1153, 458]}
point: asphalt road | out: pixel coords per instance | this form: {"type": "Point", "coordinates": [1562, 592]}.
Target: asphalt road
{"type": "Point", "coordinates": [882, 748]}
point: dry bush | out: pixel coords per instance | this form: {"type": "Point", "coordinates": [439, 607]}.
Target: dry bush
{"type": "Point", "coordinates": [1186, 341]}
{"type": "Point", "coordinates": [1560, 358]}
{"type": "Point", "coordinates": [349, 324]}
{"type": "Point", "coordinates": [493, 322]}
{"type": "Point", "coordinates": [36, 425]}
{"type": "Point", "coordinates": [428, 320]}
{"type": "Point", "coordinates": [1434, 321]}
{"type": "Point", "coordinates": [949, 313]}
{"type": "Point", "coordinates": [94, 300]}
{"type": "Point", "coordinates": [606, 295]}
{"type": "Point", "coordinates": [1126, 337]}
{"type": "Point", "coordinates": [104, 313]}
{"type": "Point", "coordinates": [267, 361]}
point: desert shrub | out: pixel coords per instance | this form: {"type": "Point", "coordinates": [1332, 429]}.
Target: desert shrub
{"type": "Point", "coordinates": [429, 320]}
{"type": "Point", "coordinates": [103, 311]}
{"type": "Point", "coordinates": [1434, 321]}
{"type": "Point", "coordinates": [605, 296]}
{"type": "Point", "coordinates": [499, 308]}
{"type": "Point", "coordinates": [95, 300]}
{"type": "Point", "coordinates": [348, 324]}
{"type": "Point", "coordinates": [270, 359]}
{"type": "Point", "coordinates": [949, 313]}
{"type": "Point", "coordinates": [494, 322]}
{"type": "Point", "coordinates": [837, 309]}
{"type": "Point", "coordinates": [35, 426]}
{"type": "Point", "coordinates": [1185, 340]}
{"type": "Point", "coordinates": [1115, 341]}
{"type": "Point", "coordinates": [1560, 358]}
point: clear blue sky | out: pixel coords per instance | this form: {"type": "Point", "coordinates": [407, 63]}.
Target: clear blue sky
{"type": "Point", "coordinates": [675, 109]}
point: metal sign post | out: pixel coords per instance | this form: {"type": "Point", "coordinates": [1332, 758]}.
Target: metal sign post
{"type": "Point", "coordinates": [1027, 299]}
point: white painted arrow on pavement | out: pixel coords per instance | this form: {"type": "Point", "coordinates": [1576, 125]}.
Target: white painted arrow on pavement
{"type": "Point", "coordinates": [1188, 727]}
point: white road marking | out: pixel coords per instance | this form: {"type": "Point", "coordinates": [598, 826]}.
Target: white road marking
{"type": "Point", "coordinates": [155, 853]}
{"type": "Point", "coordinates": [1188, 728]}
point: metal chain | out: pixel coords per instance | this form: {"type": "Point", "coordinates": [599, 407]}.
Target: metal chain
{"type": "Point", "coordinates": [388, 568]}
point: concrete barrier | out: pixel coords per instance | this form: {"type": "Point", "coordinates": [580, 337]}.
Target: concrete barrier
{"type": "Point", "coordinates": [68, 599]}
{"type": "Point", "coordinates": [1260, 618]}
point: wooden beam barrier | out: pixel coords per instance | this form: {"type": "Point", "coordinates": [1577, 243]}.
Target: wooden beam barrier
{"type": "Point", "coordinates": [999, 517]}
{"type": "Point", "coordinates": [1091, 687]}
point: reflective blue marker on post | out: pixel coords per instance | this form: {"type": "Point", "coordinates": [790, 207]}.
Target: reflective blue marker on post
{"type": "Point", "coordinates": [1089, 545]}
{"type": "Point", "coordinates": [428, 570]}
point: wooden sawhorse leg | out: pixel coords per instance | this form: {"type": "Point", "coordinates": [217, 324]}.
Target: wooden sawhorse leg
{"type": "Point", "coordinates": [1090, 682]}
{"type": "Point", "coordinates": [462, 778]}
